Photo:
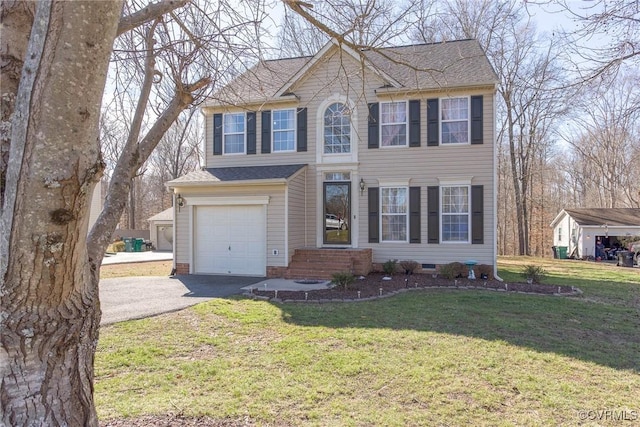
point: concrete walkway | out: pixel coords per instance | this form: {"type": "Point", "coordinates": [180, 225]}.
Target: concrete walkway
{"type": "Point", "coordinates": [128, 257]}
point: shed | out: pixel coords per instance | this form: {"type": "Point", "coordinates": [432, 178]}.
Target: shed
{"type": "Point", "coordinates": [579, 230]}
{"type": "Point", "coordinates": [161, 230]}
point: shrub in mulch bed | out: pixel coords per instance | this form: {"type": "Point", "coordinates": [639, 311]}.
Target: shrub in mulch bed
{"type": "Point", "coordinates": [374, 286]}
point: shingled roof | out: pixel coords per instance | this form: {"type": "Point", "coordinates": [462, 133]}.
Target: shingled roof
{"type": "Point", "coordinates": [611, 217]}
{"type": "Point", "coordinates": [212, 176]}
{"type": "Point", "coordinates": [451, 64]}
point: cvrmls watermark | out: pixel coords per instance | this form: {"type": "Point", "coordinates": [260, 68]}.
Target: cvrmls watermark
{"type": "Point", "coordinates": [609, 415]}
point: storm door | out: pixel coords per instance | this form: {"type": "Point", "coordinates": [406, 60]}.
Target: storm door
{"type": "Point", "coordinates": [337, 213]}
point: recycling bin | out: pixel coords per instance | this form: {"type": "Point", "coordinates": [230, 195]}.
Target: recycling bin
{"type": "Point", "coordinates": [562, 252]}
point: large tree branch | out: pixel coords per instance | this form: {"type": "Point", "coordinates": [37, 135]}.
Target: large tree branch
{"type": "Point", "coordinates": [130, 161]}
{"type": "Point", "coordinates": [149, 13]}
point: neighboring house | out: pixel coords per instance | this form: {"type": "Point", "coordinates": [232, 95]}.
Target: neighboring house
{"type": "Point", "coordinates": [161, 230]}
{"type": "Point", "coordinates": [345, 159]}
{"type": "Point", "coordinates": [579, 230]}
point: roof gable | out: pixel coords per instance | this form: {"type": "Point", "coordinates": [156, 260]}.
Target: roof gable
{"type": "Point", "coordinates": [435, 66]}
{"type": "Point", "coordinates": [327, 50]}
{"type": "Point", "coordinates": [165, 215]}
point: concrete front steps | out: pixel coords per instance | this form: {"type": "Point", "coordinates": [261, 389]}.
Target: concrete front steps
{"type": "Point", "coordinates": [322, 263]}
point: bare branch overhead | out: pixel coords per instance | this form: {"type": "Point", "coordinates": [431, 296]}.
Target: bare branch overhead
{"type": "Point", "coordinates": [149, 13]}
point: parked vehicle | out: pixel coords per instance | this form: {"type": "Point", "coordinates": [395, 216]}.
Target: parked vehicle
{"type": "Point", "coordinates": [333, 222]}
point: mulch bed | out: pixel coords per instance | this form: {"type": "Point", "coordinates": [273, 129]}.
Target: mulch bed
{"type": "Point", "coordinates": [373, 286]}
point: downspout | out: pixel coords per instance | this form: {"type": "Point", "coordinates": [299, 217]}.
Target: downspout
{"type": "Point", "coordinates": [495, 192]}
{"type": "Point", "coordinates": [173, 231]}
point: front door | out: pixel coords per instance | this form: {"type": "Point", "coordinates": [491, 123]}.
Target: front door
{"type": "Point", "coordinates": [337, 213]}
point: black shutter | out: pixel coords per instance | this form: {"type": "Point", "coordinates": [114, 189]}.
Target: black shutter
{"type": "Point", "coordinates": [374, 129]}
{"type": "Point", "coordinates": [433, 124]}
{"type": "Point", "coordinates": [433, 214]}
{"type": "Point", "coordinates": [414, 214]}
{"type": "Point", "coordinates": [476, 119]}
{"type": "Point", "coordinates": [217, 134]}
{"type": "Point", "coordinates": [414, 123]}
{"type": "Point", "coordinates": [251, 132]}
{"type": "Point", "coordinates": [302, 129]}
{"type": "Point", "coordinates": [477, 214]}
{"type": "Point", "coordinates": [374, 215]}
{"type": "Point", "coordinates": [266, 132]}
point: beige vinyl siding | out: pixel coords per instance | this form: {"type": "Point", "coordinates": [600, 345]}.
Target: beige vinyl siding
{"type": "Point", "coordinates": [297, 214]}
{"type": "Point", "coordinates": [275, 217]}
{"type": "Point", "coordinates": [182, 235]}
{"type": "Point", "coordinates": [422, 166]}
{"type": "Point", "coordinates": [252, 159]}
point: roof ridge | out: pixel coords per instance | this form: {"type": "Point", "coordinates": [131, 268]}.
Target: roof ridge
{"type": "Point", "coordinates": [418, 44]}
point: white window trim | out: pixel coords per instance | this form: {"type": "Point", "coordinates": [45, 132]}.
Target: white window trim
{"type": "Point", "coordinates": [332, 159]}
{"type": "Point", "coordinates": [405, 123]}
{"type": "Point", "coordinates": [273, 132]}
{"type": "Point", "coordinates": [442, 214]}
{"type": "Point", "coordinates": [383, 214]}
{"type": "Point", "coordinates": [244, 135]}
{"type": "Point", "coordinates": [441, 121]}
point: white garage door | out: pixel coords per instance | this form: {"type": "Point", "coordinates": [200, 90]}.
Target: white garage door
{"type": "Point", "coordinates": [230, 240]}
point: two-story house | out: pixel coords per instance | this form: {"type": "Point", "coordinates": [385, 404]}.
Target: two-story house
{"type": "Point", "coordinates": [365, 156]}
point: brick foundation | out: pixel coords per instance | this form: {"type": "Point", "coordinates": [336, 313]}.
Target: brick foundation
{"type": "Point", "coordinates": [322, 263]}
{"type": "Point", "coordinates": [182, 268]}
{"type": "Point", "coordinates": [276, 271]}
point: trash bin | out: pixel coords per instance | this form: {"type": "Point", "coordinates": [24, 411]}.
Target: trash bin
{"type": "Point", "coordinates": [562, 252]}
{"type": "Point", "coordinates": [555, 251]}
{"type": "Point", "coordinates": [128, 244]}
{"type": "Point", "coordinates": [625, 259]}
{"type": "Point", "coordinates": [138, 245]}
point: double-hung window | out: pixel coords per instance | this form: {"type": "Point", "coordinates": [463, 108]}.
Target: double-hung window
{"type": "Point", "coordinates": [393, 124]}
{"type": "Point", "coordinates": [234, 133]}
{"type": "Point", "coordinates": [454, 118]}
{"type": "Point", "coordinates": [455, 214]}
{"type": "Point", "coordinates": [337, 129]}
{"type": "Point", "coordinates": [394, 209]}
{"type": "Point", "coordinates": [284, 133]}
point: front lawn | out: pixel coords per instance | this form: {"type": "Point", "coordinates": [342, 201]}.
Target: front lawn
{"type": "Point", "coordinates": [432, 357]}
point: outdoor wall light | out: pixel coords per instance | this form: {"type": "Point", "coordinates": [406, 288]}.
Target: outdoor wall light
{"type": "Point", "coordinates": [180, 201]}
{"type": "Point", "coordinates": [362, 186]}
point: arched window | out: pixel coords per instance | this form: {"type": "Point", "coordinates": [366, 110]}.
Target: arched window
{"type": "Point", "coordinates": [337, 129]}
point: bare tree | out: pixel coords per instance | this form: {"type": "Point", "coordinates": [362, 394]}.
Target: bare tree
{"type": "Point", "coordinates": [606, 35]}
{"type": "Point", "coordinates": [364, 23]}
{"type": "Point", "coordinates": [529, 74]}
{"type": "Point", "coordinates": [605, 140]}
{"type": "Point", "coordinates": [48, 290]}
{"type": "Point", "coordinates": [49, 267]}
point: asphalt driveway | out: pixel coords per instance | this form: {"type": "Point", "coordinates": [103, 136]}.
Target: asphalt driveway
{"type": "Point", "coordinates": [129, 298]}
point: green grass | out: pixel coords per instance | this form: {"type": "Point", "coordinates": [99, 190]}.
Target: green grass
{"type": "Point", "coordinates": [433, 357]}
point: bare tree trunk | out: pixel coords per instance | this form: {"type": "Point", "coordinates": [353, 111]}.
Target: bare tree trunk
{"type": "Point", "coordinates": [132, 205]}
{"type": "Point", "coordinates": [48, 288]}
{"type": "Point", "coordinates": [16, 18]}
